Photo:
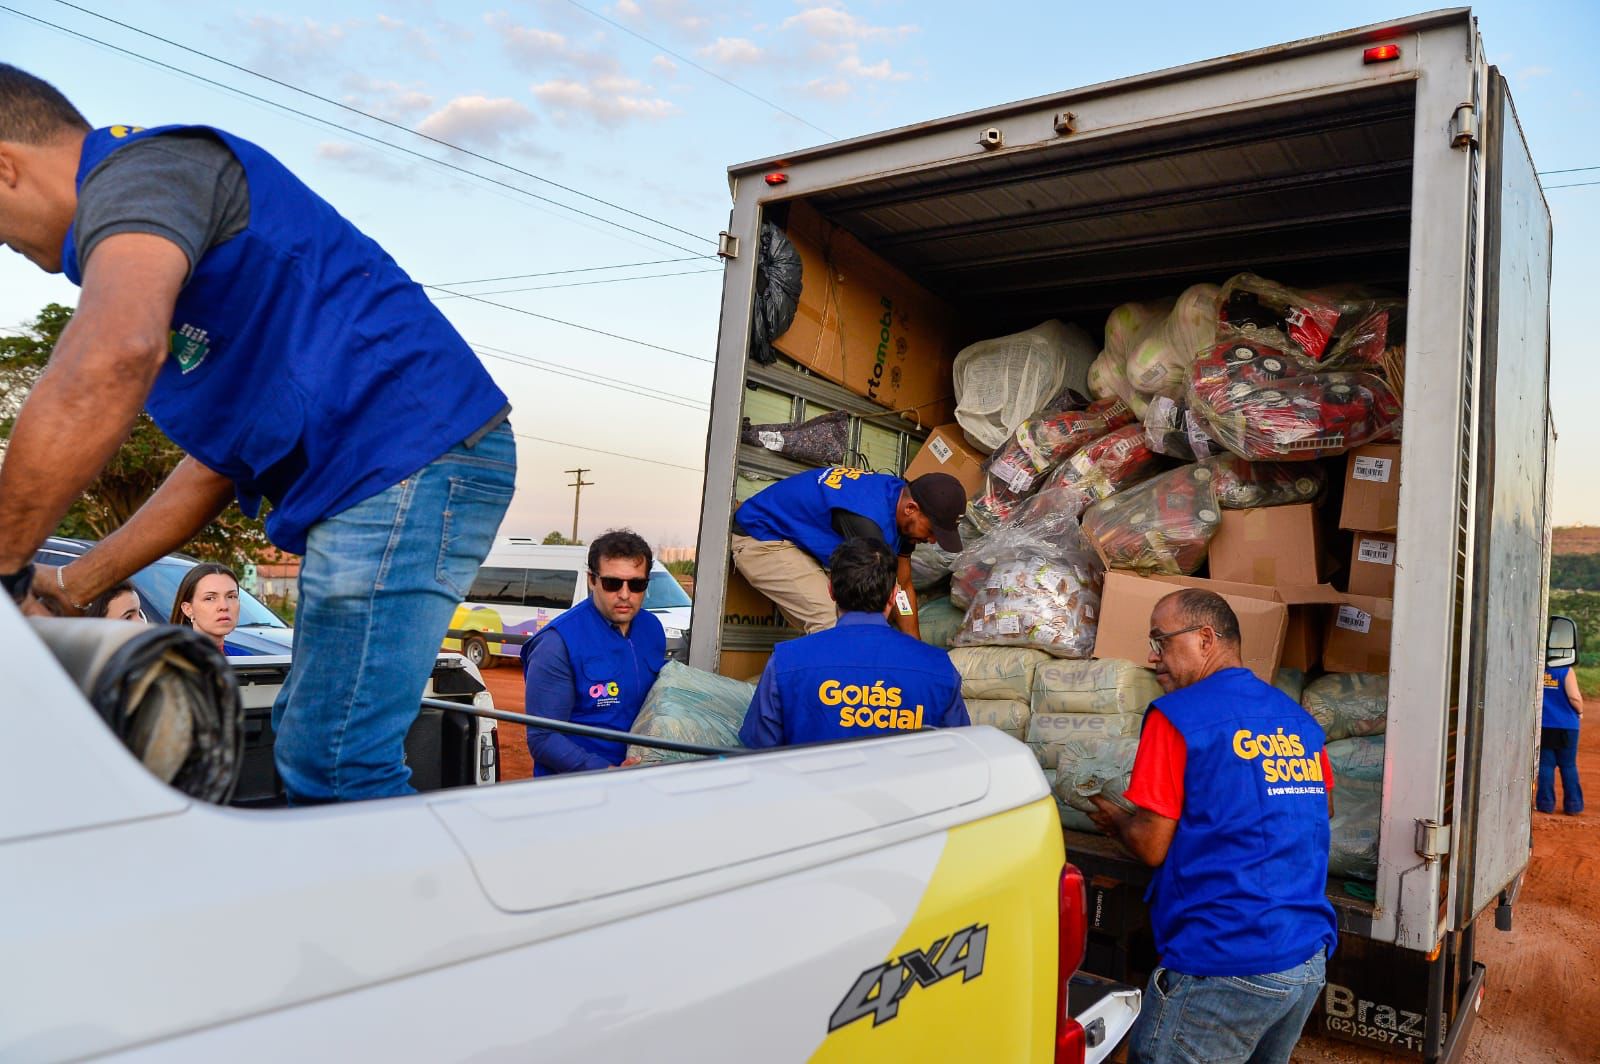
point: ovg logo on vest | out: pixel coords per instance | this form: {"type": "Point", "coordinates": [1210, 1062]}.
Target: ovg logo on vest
{"type": "Point", "coordinates": [605, 694]}
{"type": "Point", "coordinates": [877, 706]}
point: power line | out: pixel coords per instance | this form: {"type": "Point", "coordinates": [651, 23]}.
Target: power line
{"type": "Point", "coordinates": [582, 284]}
{"type": "Point", "coordinates": [581, 269]}
{"type": "Point", "coordinates": [1578, 184]}
{"type": "Point", "coordinates": [613, 454]}
{"type": "Point", "coordinates": [583, 376]}
{"type": "Point", "coordinates": [711, 73]}
{"type": "Point", "coordinates": [571, 324]}
{"type": "Point", "coordinates": [351, 131]}
{"type": "Point", "coordinates": [1573, 170]}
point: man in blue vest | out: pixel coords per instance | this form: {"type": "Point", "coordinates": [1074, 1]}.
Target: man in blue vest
{"type": "Point", "coordinates": [1232, 787]}
{"type": "Point", "coordinates": [295, 363]}
{"type": "Point", "coordinates": [1558, 741]}
{"type": "Point", "coordinates": [860, 678]}
{"type": "Point", "coordinates": [595, 663]}
{"type": "Point", "coordinates": [783, 534]}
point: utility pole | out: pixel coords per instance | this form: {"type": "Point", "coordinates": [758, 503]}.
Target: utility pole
{"type": "Point", "coordinates": [579, 484]}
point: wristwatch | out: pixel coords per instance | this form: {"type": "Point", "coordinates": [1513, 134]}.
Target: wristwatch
{"type": "Point", "coordinates": [19, 583]}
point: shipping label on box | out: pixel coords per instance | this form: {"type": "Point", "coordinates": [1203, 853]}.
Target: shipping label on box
{"type": "Point", "coordinates": [947, 451]}
{"type": "Point", "coordinates": [1359, 634]}
{"type": "Point", "coordinates": [1372, 565]}
{"type": "Point", "coordinates": [1268, 546]}
{"type": "Point", "coordinates": [1372, 489]}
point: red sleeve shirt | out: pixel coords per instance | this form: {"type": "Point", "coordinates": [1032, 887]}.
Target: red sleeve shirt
{"type": "Point", "coordinates": [1157, 779]}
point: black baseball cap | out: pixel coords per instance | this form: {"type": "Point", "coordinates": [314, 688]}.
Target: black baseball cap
{"type": "Point", "coordinates": [944, 500]}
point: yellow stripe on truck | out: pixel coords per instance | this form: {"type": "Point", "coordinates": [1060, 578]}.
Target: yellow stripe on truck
{"type": "Point", "coordinates": [973, 976]}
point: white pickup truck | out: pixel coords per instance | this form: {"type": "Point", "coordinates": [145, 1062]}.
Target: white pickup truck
{"type": "Point", "coordinates": [892, 900]}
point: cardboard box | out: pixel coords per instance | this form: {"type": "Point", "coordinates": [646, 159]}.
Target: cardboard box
{"type": "Point", "coordinates": [745, 665]}
{"type": "Point", "coordinates": [866, 325]}
{"type": "Point", "coordinates": [743, 605]}
{"type": "Point", "coordinates": [1271, 546]}
{"type": "Point", "coordinates": [946, 450]}
{"type": "Point", "coordinates": [1359, 630]}
{"type": "Point", "coordinates": [1372, 489]}
{"type": "Point", "coordinates": [1372, 565]}
{"type": "Point", "coordinates": [1127, 600]}
{"type": "Point", "coordinates": [1302, 642]}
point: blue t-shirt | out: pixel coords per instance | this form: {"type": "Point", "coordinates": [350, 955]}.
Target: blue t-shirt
{"type": "Point", "coordinates": [1558, 711]}
{"type": "Point", "coordinates": [857, 680]}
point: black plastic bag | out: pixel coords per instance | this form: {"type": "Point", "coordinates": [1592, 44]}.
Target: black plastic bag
{"type": "Point", "coordinates": [777, 293]}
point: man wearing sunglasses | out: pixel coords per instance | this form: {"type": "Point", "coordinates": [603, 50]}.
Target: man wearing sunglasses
{"type": "Point", "coordinates": [1234, 793]}
{"type": "Point", "coordinates": [595, 663]}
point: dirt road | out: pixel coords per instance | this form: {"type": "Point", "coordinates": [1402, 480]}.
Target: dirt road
{"type": "Point", "coordinates": [1542, 1001]}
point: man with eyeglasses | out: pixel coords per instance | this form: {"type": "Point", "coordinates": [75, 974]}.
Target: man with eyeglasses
{"type": "Point", "coordinates": [595, 663]}
{"type": "Point", "coordinates": [1234, 792]}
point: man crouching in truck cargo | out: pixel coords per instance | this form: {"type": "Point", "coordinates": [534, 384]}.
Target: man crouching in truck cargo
{"type": "Point", "coordinates": [1233, 791]}
{"type": "Point", "coordinates": [859, 679]}
{"type": "Point", "coordinates": [294, 362]}
{"type": "Point", "coordinates": [595, 663]}
{"type": "Point", "coordinates": [783, 534]}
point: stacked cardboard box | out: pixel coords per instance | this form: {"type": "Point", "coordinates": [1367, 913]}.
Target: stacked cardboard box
{"type": "Point", "coordinates": [1360, 625]}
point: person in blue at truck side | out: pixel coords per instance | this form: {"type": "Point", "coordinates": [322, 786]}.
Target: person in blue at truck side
{"type": "Point", "coordinates": [1558, 741]}
{"type": "Point", "coordinates": [859, 679]}
{"type": "Point", "coordinates": [595, 663]}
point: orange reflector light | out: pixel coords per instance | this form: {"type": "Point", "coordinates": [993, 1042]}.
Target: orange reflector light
{"type": "Point", "coordinates": [1382, 53]}
{"type": "Point", "coordinates": [777, 179]}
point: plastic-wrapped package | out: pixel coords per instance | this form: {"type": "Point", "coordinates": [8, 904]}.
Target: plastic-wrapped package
{"type": "Point", "coordinates": [778, 284]}
{"type": "Point", "coordinates": [938, 620]}
{"type": "Point", "coordinates": [1348, 703]}
{"type": "Point", "coordinates": [1088, 767]}
{"type": "Point", "coordinates": [1244, 485]}
{"type": "Point", "coordinates": [1006, 714]}
{"type": "Point", "coordinates": [1291, 682]}
{"type": "Point", "coordinates": [819, 441]}
{"type": "Point", "coordinates": [1108, 377]}
{"type": "Point", "coordinates": [1303, 321]}
{"type": "Point", "coordinates": [1357, 758]}
{"type": "Point", "coordinates": [1107, 465]}
{"type": "Point", "coordinates": [1048, 732]}
{"type": "Point", "coordinates": [1071, 819]}
{"type": "Point", "coordinates": [1262, 405]}
{"type": "Point", "coordinates": [1105, 686]}
{"type": "Point", "coordinates": [1018, 467]}
{"type": "Point", "coordinates": [996, 672]}
{"type": "Point", "coordinates": [1173, 429]}
{"type": "Point", "coordinates": [1353, 832]}
{"type": "Point", "coordinates": [930, 566]}
{"type": "Point", "coordinates": [1042, 590]}
{"type": "Point", "coordinates": [1125, 324]}
{"type": "Point", "coordinates": [693, 707]}
{"type": "Point", "coordinates": [1164, 525]}
{"type": "Point", "coordinates": [999, 382]}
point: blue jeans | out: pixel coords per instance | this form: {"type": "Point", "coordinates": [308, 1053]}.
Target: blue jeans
{"type": "Point", "coordinates": [378, 586]}
{"type": "Point", "coordinates": [1558, 748]}
{"type": "Point", "coordinates": [1220, 1019]}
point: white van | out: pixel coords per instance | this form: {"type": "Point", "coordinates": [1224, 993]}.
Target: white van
{"type": "Point", "coordinates": [523, 585]}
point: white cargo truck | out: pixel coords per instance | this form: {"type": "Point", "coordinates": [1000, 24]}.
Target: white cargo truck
{"type": "Point", "coordinates": [1389, 155]}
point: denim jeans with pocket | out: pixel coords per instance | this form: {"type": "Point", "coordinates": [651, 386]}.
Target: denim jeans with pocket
{"type": "Point", "coordinates": [1225, 1019]}
{"type": "Point", "coordinates": [1558, 749]}
{"type": "Point", "coordinates": [378, 586]}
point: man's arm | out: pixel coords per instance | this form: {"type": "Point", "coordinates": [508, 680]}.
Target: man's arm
{"type": "Point", "coordinates": [549, 693]}
{"type": "Point", "coordinates": [95, 384]}
{"type": "Point", "coordinates": [1147, 835]}
{"type": "Point", "coordinates": [909, 623]}
{"type": "Point", "coordinates": [1573, 692]}
{"type": "Point", "coordinates": [763, 721]}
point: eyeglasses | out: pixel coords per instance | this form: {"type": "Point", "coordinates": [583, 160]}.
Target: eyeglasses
{"type": "Point", "coordinates": [637, 584]}
{"type": "Point", "coordinates": [1159, 638]}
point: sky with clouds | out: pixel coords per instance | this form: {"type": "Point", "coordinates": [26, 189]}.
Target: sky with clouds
{"type": "Point", "coordinates": [598, 134]}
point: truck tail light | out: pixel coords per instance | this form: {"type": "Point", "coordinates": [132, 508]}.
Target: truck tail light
{"type": "Point", "coordinates": [1073, 932]}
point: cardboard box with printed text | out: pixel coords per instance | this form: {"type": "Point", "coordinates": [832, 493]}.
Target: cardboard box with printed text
{"type": "Point", "coordinates": [1359, 630]}
{"type": "Point", "coordinates": [1372, 489]}
{"type": "Point", "coordinates": [1372, 561]}
{"type": "Point", "coordinates": [946, 450]}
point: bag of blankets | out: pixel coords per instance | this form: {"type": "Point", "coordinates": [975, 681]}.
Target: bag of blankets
{"type": "Point", "coordinates": [692, 707]}
{"type": "Point", "coordinates": [819, 441]}
{"type": "Point", "coordinates": [1164, 525]}
{"type": "Point", "coordinates": [1040, 443]}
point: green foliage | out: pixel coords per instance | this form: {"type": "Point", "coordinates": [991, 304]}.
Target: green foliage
{"type": "Point", "coordinates": [556, 539]}
{"type": "Point", "coordinates": [681, 567]}
{"type": "Point", "coordinates": [134, 472]}
{"type": "Point", "coordinates": [1589, 680]}
{"type": "Point", "coordinates": [1575, 572]}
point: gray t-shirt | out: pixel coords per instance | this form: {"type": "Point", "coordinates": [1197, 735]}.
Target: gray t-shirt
{"type": "Point", "coordinates": [187, 187]}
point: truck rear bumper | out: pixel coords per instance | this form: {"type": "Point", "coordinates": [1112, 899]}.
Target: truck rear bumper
{"type": "Point", "coordinates": [1106, 1010]}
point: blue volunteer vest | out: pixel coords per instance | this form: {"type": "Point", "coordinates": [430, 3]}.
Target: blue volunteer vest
{"type": "Point", "coordinates": [304, 364]}
{"type": "Point", "coordinates": [861, 679]}
{"type": "Point", "coordinates": [1243, 888]}
{"type": "Point", "coordinates": [800, 508]}
{"type": "Point", "coordinates": [611, 673]}
{"type": "Point", "coordinates": [1558, 712]}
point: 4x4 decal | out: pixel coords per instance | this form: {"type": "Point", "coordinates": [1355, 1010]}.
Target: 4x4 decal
{"type": "Point", "coordinates": [878, 990]}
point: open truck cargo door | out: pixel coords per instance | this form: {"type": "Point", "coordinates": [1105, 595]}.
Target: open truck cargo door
{"type": "Point", "coordinates": [1503, 651]}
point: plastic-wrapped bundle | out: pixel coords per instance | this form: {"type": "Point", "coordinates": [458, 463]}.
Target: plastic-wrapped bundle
{"type": "Point", "coordinates": [999, 382]}
{"type": "Point", "coordinates": [1348, 703]}
{"type": "Point", "coordinates": [930, 566]}
{"type": "Point", "coordinates": [1159, 361]}
{"type": "Point", "coordinates": [1107, 686]}
{"type": "Point", "coordinates": [1071, 819]}
{"type": "Point", "coordinates": [1353, 841]}
{"type": "Point", "coordinates": [1260, 404]}
{"type": "Point", "coordinates": [1172, 428]}
{"type": "Point", "coordinates": [996, 672]}
{"type": "Point", "coordinates": [1125, 324]}
{"type": "Point", "coordinates": [1164, 525]}
{"type": "Point", "coordinates": [1291, 682]}
{"type": "Point", "coordinates": [1042, 590]}
{"type": "Point", "coordinates": [1039, 443]}
{"type": "Point", "coordinates": [1103, 467]}
{"type": "Point", "coordinates": [1049, 732]}
{"type": "Point", "coordinates": [820, 441]}
{"type": "Point", "coordinates": [778, 284]}
{"type": "Point", "coordinates": [1357, 758]}
{"type": "Point", "coordinates": [1244, 485]}
{"type": "Point", "coordinates": [938, 620]}
{"type": "Point", "coordinates": [1088, 767]}
{"type": "Point", "coordinates": [693, 707]}
{"type": "Point", "coordinates": [1006, 714]}
{"type": "Point", "coordinates": [1108, 377]}
{"type": "Point", "coordinates": [1331, 325]}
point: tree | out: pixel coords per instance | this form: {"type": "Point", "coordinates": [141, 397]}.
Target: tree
{"type": "Point", "coordinates": [134, 472]}
{"type": "Point", "coordinates": [556, 539]}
